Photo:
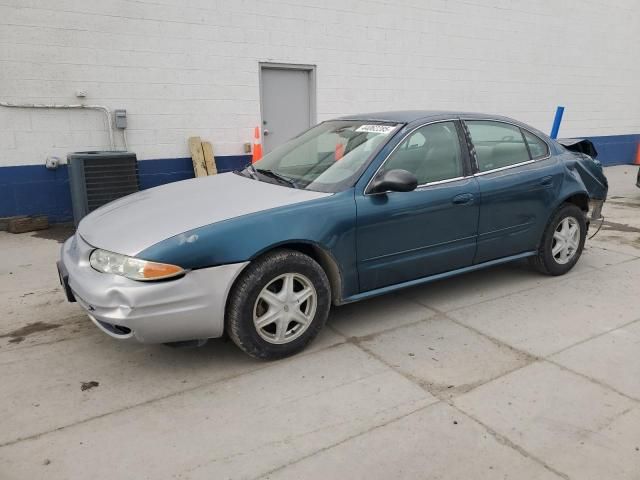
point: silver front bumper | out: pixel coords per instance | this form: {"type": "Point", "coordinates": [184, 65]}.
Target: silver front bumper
{"type": "Point", "coordinates": [187, 308]}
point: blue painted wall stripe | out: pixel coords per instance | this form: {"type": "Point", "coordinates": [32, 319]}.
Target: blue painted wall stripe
{"type": "Point", "coordinates": [616, 149]}
{"type": "Point", "coordinates": [34, 190]}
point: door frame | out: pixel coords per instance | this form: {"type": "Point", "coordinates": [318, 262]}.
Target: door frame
{"type": "Point", "coordinates": [310, 69]}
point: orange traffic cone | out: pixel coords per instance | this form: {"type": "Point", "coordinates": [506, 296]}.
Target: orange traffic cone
{"type": "Point", "coordinates": [637, 160]}
{"type": "Point", "coordinates": [339, 151]}
{"type": "Point", "coordinates": [257, 146]}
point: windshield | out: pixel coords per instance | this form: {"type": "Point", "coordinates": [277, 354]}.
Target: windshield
{"type": "Point", "coordinates": [327, 158]}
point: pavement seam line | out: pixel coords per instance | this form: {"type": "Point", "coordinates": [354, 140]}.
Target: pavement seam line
{"type": "Point", "coordinates": [515, 292]}
{"type": "Point", "coordinates": [530, 359]}
{"type": "Point", "coordinates": [497, 342]}
{"type": "Point", "coordinates": [547, 358]}
{"type": "Point", "coordinates": [527, 358]}
{"type": "Point", "coordinates": [524, 289]}
{"type": "Point", "coordinates": [380, 332]}
{"type": "Point", "coordinates": [597, 335]}
{"type": "Point", "coordinates": [593, 380]}
{"type": "Point", "coordinates": [501, 439]}
{"type": "Point", "coordinates": [310, 432]}
{"type": "Point", "coordinates": [351, 437]}
{"type": "Point", "coordinates": [160, 398]}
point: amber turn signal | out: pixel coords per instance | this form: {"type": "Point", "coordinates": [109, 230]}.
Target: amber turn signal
{"type": "Point", "coordinates": [156, 271]}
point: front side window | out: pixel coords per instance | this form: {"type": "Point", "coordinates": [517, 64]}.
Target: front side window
{"type": "Point", "coordinates": [497, 144]}
{"type": "Point", "coordinates": [327, 158]}
{"type": "Point", "coordinates": [432, 153]}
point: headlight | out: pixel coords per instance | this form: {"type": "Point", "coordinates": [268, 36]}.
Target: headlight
{"type": "Point", "coordinates": [133, 268]}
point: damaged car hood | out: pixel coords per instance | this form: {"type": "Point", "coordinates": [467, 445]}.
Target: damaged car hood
{"type": "Point", "coordinates": [136, 222]}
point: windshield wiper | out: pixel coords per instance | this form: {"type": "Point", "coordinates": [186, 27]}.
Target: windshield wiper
{"type": "Point", "coordinates": [277, 176]}
{"type": "Point", "coordinates": [251, 170]}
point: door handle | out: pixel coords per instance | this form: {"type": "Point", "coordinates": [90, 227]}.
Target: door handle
{"type": "Point", "coordinates": [546, 181]}
{"type": "Point", "coordinates": [463, 199]}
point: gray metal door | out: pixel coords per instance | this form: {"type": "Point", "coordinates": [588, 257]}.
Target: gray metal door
{"type": "Point", "coordinates": [287, 103]}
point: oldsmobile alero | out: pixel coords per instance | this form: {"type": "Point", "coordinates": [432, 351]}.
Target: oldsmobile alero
{"type": "Point", "coordinates": [352, 208]}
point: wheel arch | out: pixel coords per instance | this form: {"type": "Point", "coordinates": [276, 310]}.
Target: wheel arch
{"type": "Point", "coordinates": [318, 253]}
{"type": "Point", "coordinates": [579, 199]}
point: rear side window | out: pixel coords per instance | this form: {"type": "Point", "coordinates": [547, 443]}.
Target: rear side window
{"type": "Point", "coordinates": [497, 144]}
{"type": "Point", "coordinates": [537, 146]}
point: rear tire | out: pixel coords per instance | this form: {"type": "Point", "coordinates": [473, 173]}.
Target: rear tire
{"type": "Point", "coordinates": [562, 242]}
{"type": "Point", "coordinates": [278, 305]}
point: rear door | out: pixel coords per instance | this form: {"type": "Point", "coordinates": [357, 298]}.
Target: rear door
{"type": "Point", "coordinates": [518, 181]}
{"type": "Point", "coordinates": [402, 236]}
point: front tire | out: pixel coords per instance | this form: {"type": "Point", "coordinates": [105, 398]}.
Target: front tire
{"type": "Point", "coordinates": [278, 305]}
{"type": "Point", "coordinates": [562, 242]}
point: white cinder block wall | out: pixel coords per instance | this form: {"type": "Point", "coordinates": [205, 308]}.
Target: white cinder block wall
{"type": "Point", "coordinates": [190, 67]}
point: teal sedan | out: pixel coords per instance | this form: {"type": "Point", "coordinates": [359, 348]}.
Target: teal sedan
{"type": "Point", "coordinates": [352, 208]}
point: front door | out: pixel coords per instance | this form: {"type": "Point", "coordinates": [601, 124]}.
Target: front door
{"type": "Point", "coordinates": [286, 102]}
{"type": "Point", "coordinates": [402, 236]}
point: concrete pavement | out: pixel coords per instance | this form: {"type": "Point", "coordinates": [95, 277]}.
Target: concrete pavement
{"type": "Point", "coordinates": [502, 373]}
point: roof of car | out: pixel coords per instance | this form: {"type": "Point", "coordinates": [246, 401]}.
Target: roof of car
{"type": "Point", "coordinates": [408, 116]}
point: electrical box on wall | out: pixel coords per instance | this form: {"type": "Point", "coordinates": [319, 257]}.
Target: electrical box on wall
{"type": "Point", "coordinates": [120, 118]}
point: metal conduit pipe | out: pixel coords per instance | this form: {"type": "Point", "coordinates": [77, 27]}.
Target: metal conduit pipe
{"type": "Point", "coordinates": [78, 106]}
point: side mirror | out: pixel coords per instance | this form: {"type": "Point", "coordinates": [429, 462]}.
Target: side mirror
{"type": "Point", "coordinates": [394, 181]}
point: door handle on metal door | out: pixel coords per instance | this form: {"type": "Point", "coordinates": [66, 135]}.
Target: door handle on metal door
{"type": "Point", "coordinates": [546, 181]}
{"type": "Point", "coordinates": [463, 199]}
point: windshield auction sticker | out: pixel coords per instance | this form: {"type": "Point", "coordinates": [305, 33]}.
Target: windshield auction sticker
{"type": "Point", "coordinates": [383, 129]}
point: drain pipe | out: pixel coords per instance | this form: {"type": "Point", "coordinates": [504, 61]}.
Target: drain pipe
{"type": "Point", "coordinates": [79, 106]}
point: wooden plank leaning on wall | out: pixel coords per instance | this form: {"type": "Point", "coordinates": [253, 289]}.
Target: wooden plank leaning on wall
{"type": "Point", "coordinates": [197, 156]}
{"type": "Point", "coordinates": [204, 163]}
{"type": "Point", "coordinates": [209, 159]}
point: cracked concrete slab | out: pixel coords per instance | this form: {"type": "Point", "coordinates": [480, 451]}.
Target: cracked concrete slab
{"type": "Point", "coordinates": [129, 375]}
{"type": "Point", "coordinates": [435, 442]}
{"type": "Point", "coordinates": [503, 280]}
{"type": "Point", "coordinates": [553, 413]}
{"type": "Point", "coordinates": [379, 314]}
{"type": "Point", "coordinates": [549, 318]}
{"type": "Point", "coordinates": [446, 358]}
{"type": "Point", "coordinates": [250, 424]}
{"type": "Point", "coordinates": [610, 452]}
{"type": "Point", "coordinates": [613, 359]}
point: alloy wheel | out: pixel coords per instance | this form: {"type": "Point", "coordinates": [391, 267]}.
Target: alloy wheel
{"type": "Point", "coordinates": [285, 308]}
{"type": "Point", "coordinates": [566, 239]}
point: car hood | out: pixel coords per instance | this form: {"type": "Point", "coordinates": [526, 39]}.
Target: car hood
{"type": "Point", "coordinates": [136, 222]}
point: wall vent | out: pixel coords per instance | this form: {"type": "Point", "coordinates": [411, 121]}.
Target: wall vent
{"type": "Point", "coordinates": [97, 178]}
